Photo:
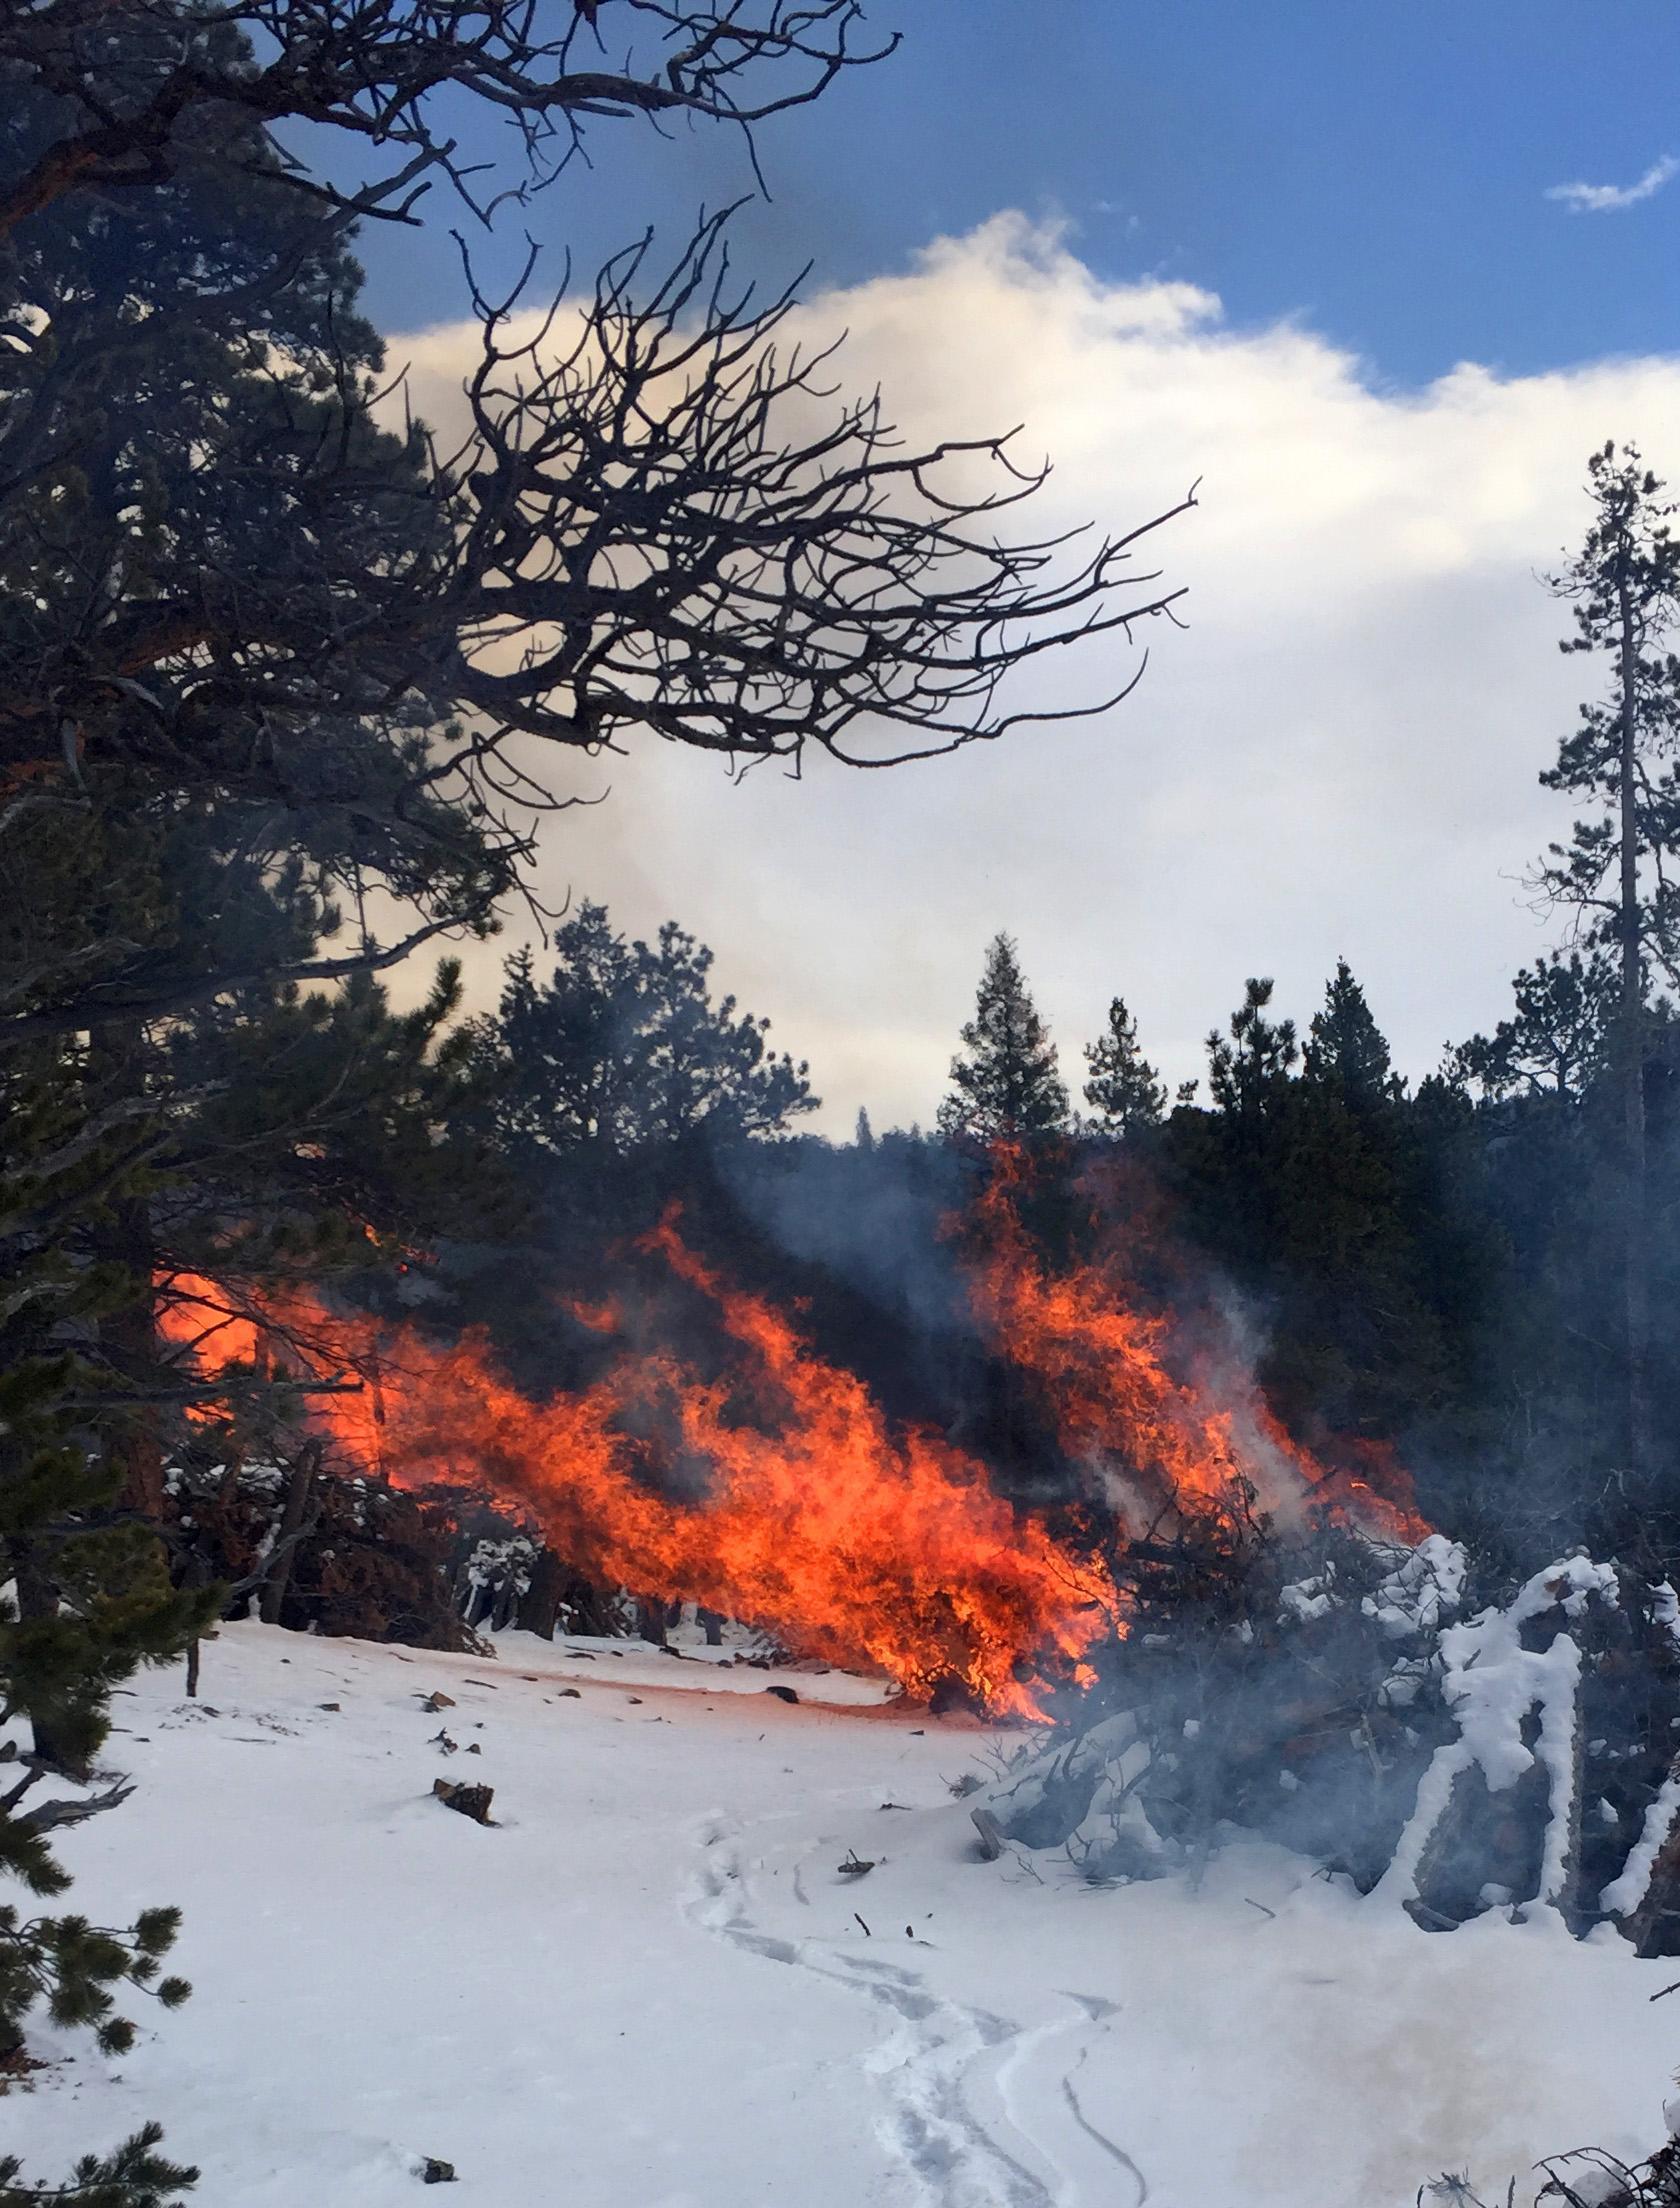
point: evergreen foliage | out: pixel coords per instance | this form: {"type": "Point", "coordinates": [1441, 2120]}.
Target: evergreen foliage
{"type": "Point", "coordinates": [1616, 872]}
{"type": "Point", "coordinates": [1557, 1040]}
{"type": "Point", "coordinates": [1122, 1087]}
{"type": "Point", "coordinates": [1004, 1083]}
{"type": "Point", "coordinates": [624, 1047]}
{"type": "Point", "coordinates": [1624, 590]}
{"type": "Point", "coordinates": [1346, 1053]}
{"type": "Point", "coordinates": [1248, 1072]}
{"type": "Point", "coordinates": [134, 2175]}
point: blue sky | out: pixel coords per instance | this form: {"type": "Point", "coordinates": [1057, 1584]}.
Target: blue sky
{"type": "Point", "coordinates": [1207, 238]}
{"type": "Point", "coordinates": [1376, 167]}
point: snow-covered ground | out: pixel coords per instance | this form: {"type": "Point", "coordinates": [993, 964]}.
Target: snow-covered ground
{"type": "Point", "coordinates": [648, 1983]}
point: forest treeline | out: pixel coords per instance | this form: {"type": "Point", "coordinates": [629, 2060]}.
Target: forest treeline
{"type": "Point", "coordinates": [1435, 1265]}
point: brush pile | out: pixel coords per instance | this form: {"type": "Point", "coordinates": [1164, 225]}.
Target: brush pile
{"type": "Point", "coordinates": [1448, 1741]}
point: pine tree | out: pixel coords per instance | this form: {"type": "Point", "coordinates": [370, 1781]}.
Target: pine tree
{"type": "Point", "coordinates": [1346, 1052]}
{"type": "Point", "coordinates": [865, 1137]}
{"type": "Point", "coordinates": [89, 1598]}
{"type": "Point", "coordinates": [625, 1046]}
{"type": "Point", "coordinates": [1616, 871]}
{"type": "Point", "coordinates": [1124, 1089]}
{"type": "Point", "coordinates": [1004, 1086]}
{"type": "Point", "coordinates": [1248, 1073]}
{"type": "Point", "coordinates": [135, 2176]}
{"type": "Point", "coordinates": [1557, 1039]}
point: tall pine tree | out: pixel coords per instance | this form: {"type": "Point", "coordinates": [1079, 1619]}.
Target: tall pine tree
{"type": "Point", "coordinates": [1346, 1052]}
{"type": "Point", "coordinates": [1004, 1082]}
{"type": "Point", "coordinates": [1249, 1071]}
{"type": "Point", "coordinates": [1123, 1088]}
{"type": "Point", "coordinates": [1616, 871]}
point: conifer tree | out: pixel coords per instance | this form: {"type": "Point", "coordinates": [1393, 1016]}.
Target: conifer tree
{"type": "Point", "coordinates": [89, 1598]}
{"type": "Point", "coordinates": [1616, 870]}
{"type": "Point", "coordinates": [135, 2176]}
{"type": "Point", "coordinates": [625, 1046]}
{"type": "Point", "coordinates": [865, 1133]}
{"type": "Point", "coordinates": [1346, 1052]}
{"type": "Point", "coordinates": [1123, 1089]}
{"type": "Point", "coordinates": [1249, 1072]}
{"type": "Point", "coordinates": [1004, 1083]}
{"type": "Point", "coordinates": [1556, 1040]}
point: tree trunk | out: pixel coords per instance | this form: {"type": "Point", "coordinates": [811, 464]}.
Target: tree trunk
{"type": "Point", "coordinates": [1631, 1054]}
{"type": "Point", "coordinates": [539, 1609]}
{"type": "Point", "coordinates": [132, 1336]}
{"type": "Point", "coordinates": [37, 1597]}
{"type": "Point", "coordinates": [299, 1489]}
{"type": "Point", "coordinates": [134, 1445]}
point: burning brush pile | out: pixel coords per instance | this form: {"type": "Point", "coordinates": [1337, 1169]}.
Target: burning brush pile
{"type": "Point", "coordinates": [1213, 1629]}
{"type": "Point", "coordinates": [763, 1481]}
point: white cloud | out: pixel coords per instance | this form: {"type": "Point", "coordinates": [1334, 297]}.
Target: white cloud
{"type": "Point", "coordinates": [1340, 757]}
{"type": "Point", "coordinates": [1604, 199]}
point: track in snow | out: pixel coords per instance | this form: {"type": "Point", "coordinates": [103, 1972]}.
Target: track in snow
{"type": "Point", "coordinates": [941, 2061]}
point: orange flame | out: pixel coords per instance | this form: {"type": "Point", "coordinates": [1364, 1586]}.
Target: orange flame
{"type": "Point", "coordinates": [1158, 1445]}
{"type": "Point", "coordinates": [857, 1541]}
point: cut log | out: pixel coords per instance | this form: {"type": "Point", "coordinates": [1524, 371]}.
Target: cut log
{"type": "Point", "coordinates": [471, 1801]}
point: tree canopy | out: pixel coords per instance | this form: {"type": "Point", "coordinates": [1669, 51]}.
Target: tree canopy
{"type": "Point", "coordinates": [624, 1046]}
{"type": "Point", "coordinates": [1004, 1082]}
{"type": "Point", "coordinates": [1122, 1087]}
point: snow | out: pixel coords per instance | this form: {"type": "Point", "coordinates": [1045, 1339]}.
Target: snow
{"type": "Point", "coordinates": [648, 1981]}
{"type": "Point", "coordinates": [1491, 1683]}
{"type": "Point", "coordinates": [1624, 1894]}
{"type": "Point", "coordinates": [1665, 1609]}
{"type": "Point", "coordinates": [1425, 1587]}
{"type": "Point", "coordinates": [633, 1663]}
